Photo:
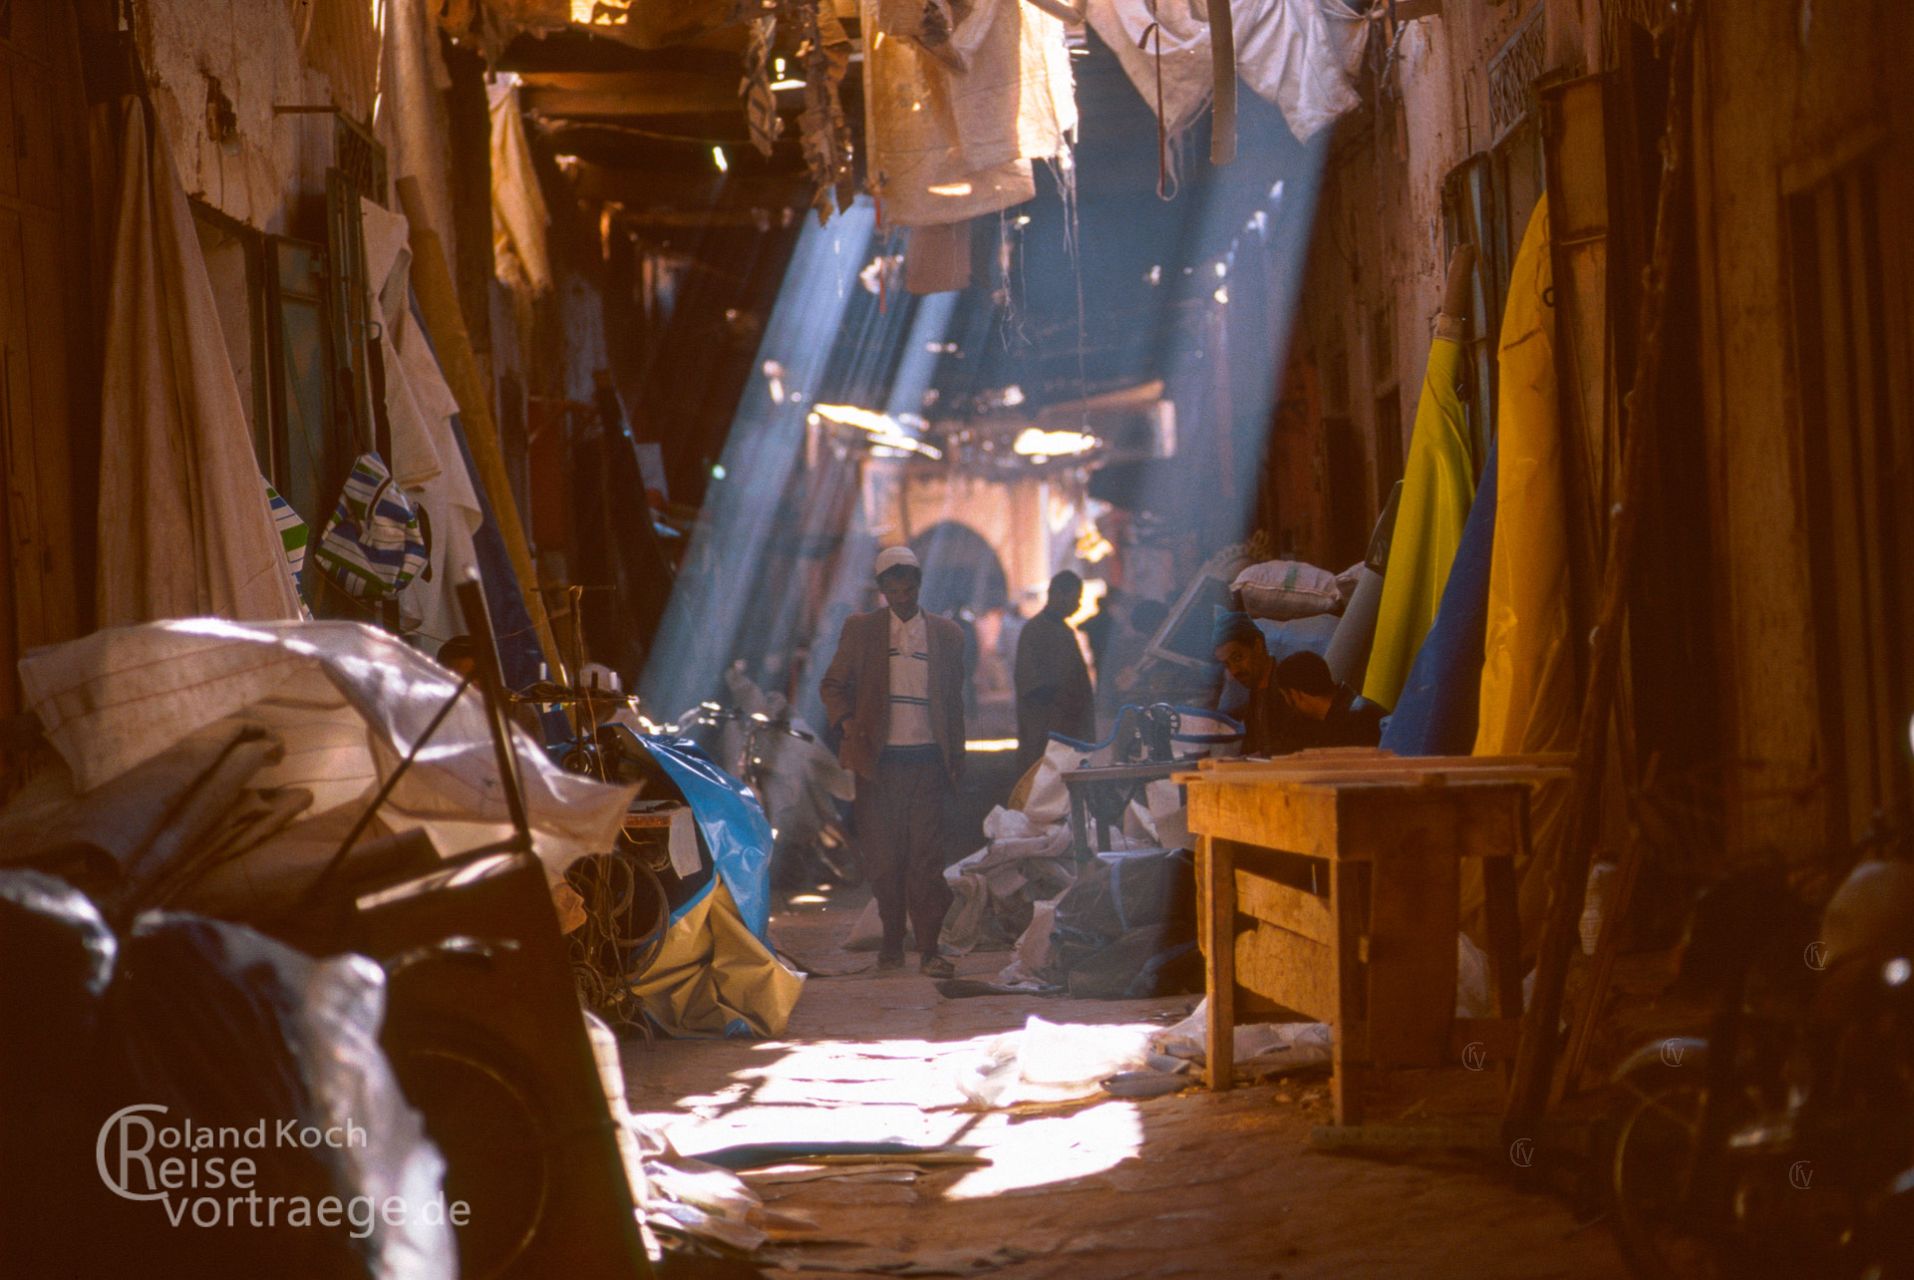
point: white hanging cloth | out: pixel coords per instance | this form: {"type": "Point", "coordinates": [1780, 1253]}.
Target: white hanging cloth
{"type": "Point", "coordinates": [1302, 55]}
{"type": "Point", "coordinates": [184, 526]}
{"type": "Point", "coordinates": [952, 134]}
{"type": "Point", "coordinates": [426, 459]}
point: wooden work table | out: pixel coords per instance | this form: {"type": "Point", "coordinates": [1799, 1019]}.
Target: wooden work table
{"type": "Point", "coordinates": [1329, 884]}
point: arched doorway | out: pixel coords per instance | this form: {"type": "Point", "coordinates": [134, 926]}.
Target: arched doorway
{"type": "Point", "coordinates": [961, 571]}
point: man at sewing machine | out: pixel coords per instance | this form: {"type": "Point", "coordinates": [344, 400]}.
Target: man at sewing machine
{"type": "Point", "coordinates": [1324, 713]}
{"type": "Point", "coordinates": [1269, 724]}
{"type": "Point", "coordinates": [1292, 705]}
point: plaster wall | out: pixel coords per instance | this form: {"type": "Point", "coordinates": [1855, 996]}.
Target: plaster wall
{"type": "Point", "coordinates": [250, 48]}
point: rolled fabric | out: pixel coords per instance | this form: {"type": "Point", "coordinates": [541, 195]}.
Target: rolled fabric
{"type": "Point", "coordinates": [1348, 654]}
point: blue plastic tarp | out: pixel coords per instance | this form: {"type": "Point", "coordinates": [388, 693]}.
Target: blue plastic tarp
{"type": "Point", "coordinates": [1436, 714]}
{"type": "Point", "coordinates": [732, 823]}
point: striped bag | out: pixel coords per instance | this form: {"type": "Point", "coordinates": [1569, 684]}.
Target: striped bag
{"type": "Point", "coordinates": [373, 545]}
{"type": "Point", "coordinates": [293, 536]}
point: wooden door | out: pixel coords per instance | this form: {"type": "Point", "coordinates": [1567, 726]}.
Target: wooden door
{"type": "Point", "coordinates": [44, 292]}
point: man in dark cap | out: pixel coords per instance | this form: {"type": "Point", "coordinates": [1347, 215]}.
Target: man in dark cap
{"type": "Point", "coordinates": [1268, 722]}
{"type": "Point", "coordinates": [1053, 685]}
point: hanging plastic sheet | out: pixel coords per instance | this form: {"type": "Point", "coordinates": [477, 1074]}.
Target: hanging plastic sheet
{"type": "Point", "coordinates": [732, 824]}
{"type": "Point", "coordinates": [1437, 489]}
{"type": "Point", "coordinates": [1437, 713]}
{"type": "Point", "coordinates": [1528, 694]}
{"type": "Point", "coordinates": [1527, 674]}
{"type": "Point", "coordinates": [714, 977]}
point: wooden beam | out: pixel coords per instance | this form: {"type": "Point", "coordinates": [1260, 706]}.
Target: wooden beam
{"type": "Point", "coordinates": [438, 299]}
{"type": "Point", "coordinates": [645, 190]}
{"type": "Point", "coordinates": [1568, 876]}
{"type": "Point", "coordinates": [654, 94]}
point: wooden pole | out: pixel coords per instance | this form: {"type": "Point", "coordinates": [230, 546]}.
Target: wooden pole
{"type": "Point", "coordinates": [439, 300]}
{"type": "Point", "coordinates": [1223, 68]}
{"type": "Point", "coordinates": [1568, 874]}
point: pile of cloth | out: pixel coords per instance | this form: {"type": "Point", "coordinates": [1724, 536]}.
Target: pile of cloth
{"type": "Point", "coordinates": [1121, 924]}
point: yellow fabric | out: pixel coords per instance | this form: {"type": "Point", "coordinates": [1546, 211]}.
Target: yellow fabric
{"type": "Point", "coordinates": [1528, 696]}
{"type": "Point", "coordinates": [1438, 488]}
{"type": "Point", "coordinates": [713, 972]}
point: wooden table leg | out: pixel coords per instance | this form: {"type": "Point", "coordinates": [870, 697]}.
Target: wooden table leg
{"type": "Point", "coordinates": [1349, 1053]}
{"type": "Point", "coordinates": [1079, 825]}
{"type": "Point", "coordinates": [1219, 963]}
{"type": "Point", "coordinates": [1505, 940]}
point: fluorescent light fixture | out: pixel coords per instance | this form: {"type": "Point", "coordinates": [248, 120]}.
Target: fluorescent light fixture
{"type": "Point", "coordinates": [850, 415]}
{"type": "Point", "coordinates": [1033, 442]}
{"type": "Point", "coordinates": [718, 158]}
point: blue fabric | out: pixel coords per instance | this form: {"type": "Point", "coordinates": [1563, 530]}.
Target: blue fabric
{"type": "Point", "coordinates": [1435, 716]}
{"type": "Point", "coordinates": [1298, 635]}
{"type": "Point", "coordinates": [732, 823]}
{"type": "Point", "coordinates": [520, 659]}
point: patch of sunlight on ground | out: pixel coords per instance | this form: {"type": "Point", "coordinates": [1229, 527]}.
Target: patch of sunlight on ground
{"type": "Point", "coordinates": [1053, 1149]}
{"type": "Point", "coordinates": [902, 1090]}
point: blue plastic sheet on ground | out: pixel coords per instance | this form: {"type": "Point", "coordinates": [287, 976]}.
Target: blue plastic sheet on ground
{"type": "Point", "coordinates": [732, 823]}
{"type": "Point", "coordinates": [1436, 714]}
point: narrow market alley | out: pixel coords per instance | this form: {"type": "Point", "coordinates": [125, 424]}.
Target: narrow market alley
{"type": "Point", "coordinates": [1014, 639]}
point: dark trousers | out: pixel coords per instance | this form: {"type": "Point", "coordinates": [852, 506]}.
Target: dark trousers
{"type": "Point", "coordinates": [900, 828]}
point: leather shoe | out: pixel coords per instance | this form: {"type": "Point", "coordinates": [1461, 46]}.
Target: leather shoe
{"type": "Point", "coordinates": [937, 967]}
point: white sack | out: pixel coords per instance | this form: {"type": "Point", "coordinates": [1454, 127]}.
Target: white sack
{"type": "Point", "coordinates": [1285, 589]}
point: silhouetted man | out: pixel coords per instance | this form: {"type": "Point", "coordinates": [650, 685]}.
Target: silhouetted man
{"type": "Point", "coordinates": [1053, 685]}
{"type": "Point", "coordinates": [894, 694]}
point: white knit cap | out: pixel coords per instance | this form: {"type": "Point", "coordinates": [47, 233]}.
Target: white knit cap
{"type": "Point", "coordinates": [896, 557]}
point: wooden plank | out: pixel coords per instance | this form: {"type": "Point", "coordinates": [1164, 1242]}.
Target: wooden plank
{"type": "Point", "coordinates": [1219, 964]}
{"type": "Point", "coordinates": [584, 94]}
{"type": "Point", "coordinates": [1364, 759]}
{"type": "Point", "coordinates": [1399, 778]}
{"type": "Point", "coordinates": [1269, 816]}
{"type": "Point", "coordinates": [1297, 910]}
{"type": "Point", "coordinates": [1349, 892]}
{"type": "Point", "coordinates": [1295, 972]}
{"type": "Point", "coordinates": [1484, 819]}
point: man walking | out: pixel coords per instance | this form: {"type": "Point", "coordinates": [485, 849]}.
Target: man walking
{"type": "Point", "coordinates": [894, 694]}
{"type": "Point", "coordinates": [1053, 685]}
